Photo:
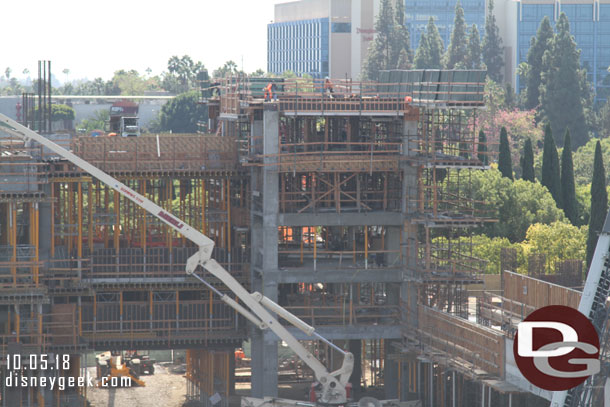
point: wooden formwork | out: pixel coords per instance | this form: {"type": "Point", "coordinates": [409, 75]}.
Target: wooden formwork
{"type": "Point", "coordinates": [208, 373]}
{"type": "Point", "coordinates": [166, 152]}
{"type": "Point", "coordinates": [461, 339]}
{"type": "Point", "coordinates": [537, 293]}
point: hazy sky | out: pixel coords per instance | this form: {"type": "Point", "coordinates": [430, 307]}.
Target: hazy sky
{"type": "Point", "coordinates": [94, 38]}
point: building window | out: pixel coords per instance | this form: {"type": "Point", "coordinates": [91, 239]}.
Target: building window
{"type": "Point", "coordinates": [341, 27]}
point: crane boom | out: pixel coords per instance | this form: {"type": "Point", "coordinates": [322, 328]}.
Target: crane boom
{"type": "Point", "coordinates": [260, 307]}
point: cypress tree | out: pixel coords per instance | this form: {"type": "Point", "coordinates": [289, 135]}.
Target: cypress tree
{"type": "Point", "coordinates": [539, 44]}
{"type": "Point", "coordinates": [550, 166]}
{"type": "Point", "coordinates": [504, 161]}
{"type": "Point", "coordinates": [527, 161]}
{"type": "Point", "coordinates": [482, 148]}
{"type": "Point", "coordinates": [561, 94]}
{"type": "Point", "coordinates": [422, 55]}
{"type": "Point", "coordinates": [400, 36]}
{"type": "Point", "coordinates": [435, 45]}
{"type": "Point", "coordinates": [403, 60]}
{"type": "Point", "coordinates": [492, 46]}
{"type": "Point", "coordinates": [568, 190]}
{"type": "Point", "coordinates": [380, 50]}
{"type": "Point", "coordinates": [599, 202]}
{"type": "Point", "coordinates": [456, 51]}
{"type": "Point", "coordinates": [473, 51]}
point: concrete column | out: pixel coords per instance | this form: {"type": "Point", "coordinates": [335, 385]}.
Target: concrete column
{"type": "Point", "coordinates": [44, 218]}
{"type": "Point", "coordinates": [355, 347]}
{"type": "Point", "coordinates": [390, 371]}
{"type": "Point", "coordinates": [264, 232]}
{"type": "Point", "coordinates": [409, 232]}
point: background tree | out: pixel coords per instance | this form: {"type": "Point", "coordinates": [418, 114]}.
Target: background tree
{"type": "Point", "coordinates": [181, 114]}
{"type": "Point", "coordinates": [493, 50]}
{"type": "Point", "coordinates": [429, 53]}
{"type": "Point", "coordinates": [561, 94]}
{"type": "Point", "coordinates": [456, 51]}
{"type": "Point", "coordinates": [599, 202]}
{"type": "Point", "coordinates": [403, 60]}
{"type": "Point", "coordinates": [422, 54]}
{"type": "Point", "coordinates": [482, 148]}
{"type": "Point", "coordinates": [7, 73]}
{"type": "Point", "coordinates": [97, 122]}
{"type": "Point", "coordinates": [539, 45]}
{"type": "Point", "coordinates": [550, 166]}
{"type": "Point", "coordinates": [504, 161]}
{"type": "Point", "coordinates": [473, 51]}
{"type": "Point", "coordinates": [380, 52]}
{"type": "Point", "coordinates": [401, 39]}
{"type": "Point", "coordinates": [568, 190]}
{"type": "Point", "coordinates": [604, 120]}
{"type": "Point", "coordinates": [527, 161]}
{"type": "Point", "coordinates": [516, 204]}
{"type": "Point", "coordinates": [510, 98]}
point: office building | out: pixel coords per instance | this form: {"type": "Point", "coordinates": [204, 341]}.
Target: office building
{"type": "Point", "coordinates": [320, 37]}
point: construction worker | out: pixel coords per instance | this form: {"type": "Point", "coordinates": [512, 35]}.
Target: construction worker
{"type": "Point", "coordinates": [328, 86]}
{"type": "Point", "coordinates": [268, 91]}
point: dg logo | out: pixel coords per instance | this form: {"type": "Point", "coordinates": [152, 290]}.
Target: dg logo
{"type": "Point", "coordinates": [557, 348]}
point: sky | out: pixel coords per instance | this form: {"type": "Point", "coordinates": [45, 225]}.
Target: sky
{"type": "Point", "coordinates": [94, 38]}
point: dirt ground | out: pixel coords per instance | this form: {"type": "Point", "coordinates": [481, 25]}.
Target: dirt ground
{"type": "Point", "coordinates": [164, 389]}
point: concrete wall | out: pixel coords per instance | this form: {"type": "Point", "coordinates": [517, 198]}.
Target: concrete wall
{"type": "Point", "coordinates": [340, 48]}
{"type": "Point", "coordinates": [505, 12]}
{"type": "Point", "coordinates": [149, 109]}
{"type": "Point", "coordinates": [301, 10]}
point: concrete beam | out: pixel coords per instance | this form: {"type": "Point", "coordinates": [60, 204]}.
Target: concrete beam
{"type": "Point", "coordinates": [352, 332]}
{"type": "Point", "coordinates": [342, 219]}
{"type": "Point", "coordinates": [339, 276]}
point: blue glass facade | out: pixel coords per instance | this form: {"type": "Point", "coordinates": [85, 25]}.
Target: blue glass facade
{"type": "Point", "coordinates": [591, 31]}
{"type": "Point", "coordinates": [299, 46]}
{"type": "Point", "coordinates": [418, 13]}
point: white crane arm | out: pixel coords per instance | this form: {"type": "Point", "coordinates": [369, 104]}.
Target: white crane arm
{"type": "Point", "coordinates": [333, 384]}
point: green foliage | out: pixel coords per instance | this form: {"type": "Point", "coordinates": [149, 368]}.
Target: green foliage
{"type": "Point", "coordinates": [510, 98]}
{"type": "Point", "coordinates": [482, 148]}
{"type": "Point", "coordinates": [401, 39]}
{"type": "Point", "coordinates": [473, 51]}
{"type": "Point", "coordinates": [516, 204]}
{"type": "Point", "coordinates": [584, 158]}
{"type": "Point", "coordinates": [599, 202]}
{"type": "Point", "coordinates": [380, 52]}
{"type": "Point", "coordinates": [59, 112]}
{"type": "Point", "coordinates": [504, 160]}
{"type": "Point", "coordinates": [561, 92]}
{"type": "Point", "coordinates": [568, 191]}
{"type": "Point", "coordinates": [181, 74]}
{"type": "Point", "coordinates": [539, 45]}
{"type": "Point", "coordinates": [456, 51]}
{"type": "Point", "coordinates": [493, 50]}
{"type": "Point", "coordinates": [403, 60]}
{"type": "Point", "coordinates": [430, 50]}
{"type": "Point", "coordinates": [550, 166]}
{"type": "Point", "coordinates": [228, 69]}
{"type": "Point", "coordinates": [390, 39]}
{"type": "Point", "coordinates": [97, 122]}
{"type": "Point", "coordinates": [181, 114]}
{"type": "Point", "coordinates": [527, 162]}
{"type": "Point", "coordinates": [62, 112]}
{"type": "Point", "coordinates": [603, 125]}
{"type": "Point", "coordinates": [558, 241]}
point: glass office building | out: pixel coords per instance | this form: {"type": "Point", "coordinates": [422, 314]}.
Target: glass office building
{"type": "Point", "coordinates": [590, 26]}
{"type": "Point", "coordinates": [418, 13]}
{"type": "Point", "coordinates": [299, 46]}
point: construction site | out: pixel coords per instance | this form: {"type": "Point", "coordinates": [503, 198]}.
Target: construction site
{"type": "Point", "coordinates": [351, 209]}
